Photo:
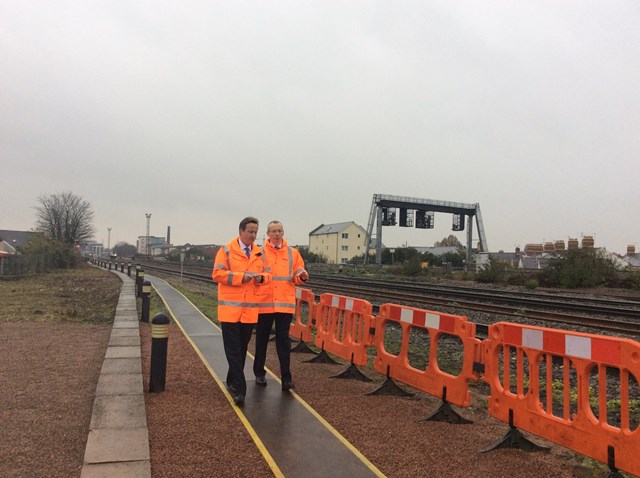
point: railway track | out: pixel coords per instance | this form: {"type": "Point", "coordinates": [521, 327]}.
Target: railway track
{"type": "Point", "coordinates": [614, 315]}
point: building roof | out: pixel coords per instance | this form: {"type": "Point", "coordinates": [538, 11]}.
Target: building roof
{"type": "Point", "coordinates": [16, 238]}
{"type": "Point", "coordinates": [632, 259]}
{"type": "Point", "coordinates": [332, 228]}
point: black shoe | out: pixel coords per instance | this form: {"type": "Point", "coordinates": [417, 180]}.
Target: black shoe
{"type": "Point", "coordinates": [287, 385]}
{"type": "Point", "coordinates": [262, 381]}
{"type": "Point", "coordinates": [238, 399]}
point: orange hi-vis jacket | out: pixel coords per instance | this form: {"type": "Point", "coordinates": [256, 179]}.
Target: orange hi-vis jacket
{"type": "Point", "coordinates": [285, 264]}
{"type": "Point", "coordinates": [239, 301]}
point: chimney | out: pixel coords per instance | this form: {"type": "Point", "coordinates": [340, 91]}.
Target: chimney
{"type": "Point", "coordinates": [169, 235]}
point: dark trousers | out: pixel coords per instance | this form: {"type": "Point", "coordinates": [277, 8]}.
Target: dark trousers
{"type": "Point", "coordinates": [236, 337]}
{"type": "Point", "coordinates": [283, 343]}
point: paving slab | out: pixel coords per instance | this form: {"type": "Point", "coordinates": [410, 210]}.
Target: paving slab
{"type": "Point", "coordinates": [119, 384]}
{"type": "Point", "coordinates": [130, 469]}
{"type": "Point", "coordinates": [129, 332]}
{"type": "Point", "coordinates": [118, 411]}
{"type": "Point", "coordinates": [124, 341]}
{"type": "Point", "coordinates": [123, 352]}
{"type": "Point", "coordinates": [128, 317]}
{"type": "Point", "coordinates": [127, 324]}
{"type": "Point", "coordinates": [122, 365]}
{"type": "Point", "coordinates": [117, 445]}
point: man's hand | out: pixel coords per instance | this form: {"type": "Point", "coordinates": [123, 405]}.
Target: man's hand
{"type": "Point", "coordinates": [248, 277]}
{"type": "Point", "coordinates": [304, 276]}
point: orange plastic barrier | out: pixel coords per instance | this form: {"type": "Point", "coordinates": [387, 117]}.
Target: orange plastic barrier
{"type": "Point", "coordinates": [557, 384]}
{"type": "Point", "coordinates": [431, 380]}
{"type": "Point", "coordinates": [298, 328]}
{"type": "Point", "coordinates": [343, 327]}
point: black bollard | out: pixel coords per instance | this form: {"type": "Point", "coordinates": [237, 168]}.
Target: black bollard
{"type": "Point", "coordinates": [136, 280]}
{"type": "Point", "coordinates": [109, 265]}
{"type": "Point", "coordinates": [129, 269]}
{"type": "Point", "coordinates": [159, 342]}
{"type": "Point", "coordinates": [122, 267]}
{"type": "Point", "coordinates": [140, 281]}
{"type": "Point", "coordinates": [146, 296]}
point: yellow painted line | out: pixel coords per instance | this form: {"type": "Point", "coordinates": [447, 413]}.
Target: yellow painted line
{"type": "Point", "coordinates": [254, 436]}
{"type": "Point", "coordinates": [326, 424]}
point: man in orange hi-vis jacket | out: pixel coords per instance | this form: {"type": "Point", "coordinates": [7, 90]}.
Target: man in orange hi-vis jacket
{"type": "Point", "coordinates": [240, 270]}
{"type": "Point", "coordinates": [287, 271]}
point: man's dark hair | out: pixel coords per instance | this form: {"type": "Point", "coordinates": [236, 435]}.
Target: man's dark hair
{"type": "Point", "coordinates": [248, 220]}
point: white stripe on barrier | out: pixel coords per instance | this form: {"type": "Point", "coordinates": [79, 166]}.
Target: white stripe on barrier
{"type": "Point", "coordinates": [298, 293]}
{"type": "Point", "coordinates": [578, 346]}
{"type": "Point", "coordinates": [433, 321]}
{"type": "Point", "coordinates": [349, 304]}
{"type": "Point", "coordinates": [532, 338]}
{"type": "Point", "coordinates": [335, 301]}
{"type": "Point", "coordinates": [406, 315]}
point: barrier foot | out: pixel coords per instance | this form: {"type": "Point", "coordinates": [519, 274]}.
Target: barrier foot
{"type": "Point", "coordinates": [353, 372]}
{"type": "Point", "coordinates": [515, 439]}
{"type": "Point", "coordinates": [389, 387]}
{"type": "Point", "coordinates": [611, 462]}
{"type": "Point", "coordinates": [322, 357]}
{"type": "Point", "coordinates": [445, 414]}
{"type": "Point", "coordinates": [303, 348]}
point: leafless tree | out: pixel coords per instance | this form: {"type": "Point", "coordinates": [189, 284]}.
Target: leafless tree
{"type": "Point", "coordinates": [65, 217]}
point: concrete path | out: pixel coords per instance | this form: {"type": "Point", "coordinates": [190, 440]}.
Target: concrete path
{"type": "Point", "coordinates": [118, 442]}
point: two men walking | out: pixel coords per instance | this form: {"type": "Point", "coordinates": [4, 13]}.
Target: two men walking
{"type": "Point", "coordinates": [256, 285]}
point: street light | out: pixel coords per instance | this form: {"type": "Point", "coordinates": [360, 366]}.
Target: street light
{"type": "Point", "coordinates": [148, 216]}
{"type": "Point", "coordinates": [109, 239]}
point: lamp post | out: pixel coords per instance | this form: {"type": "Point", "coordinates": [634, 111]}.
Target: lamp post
{"type": "Point", "coordinates": [109, 239]}
{"type": "Point", "coordinates": [148, 216]}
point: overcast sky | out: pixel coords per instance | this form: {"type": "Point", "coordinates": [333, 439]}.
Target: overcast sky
{"type": "Point", "coordinates": [201, 113]}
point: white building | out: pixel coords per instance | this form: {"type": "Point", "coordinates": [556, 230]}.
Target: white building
{"type": "Point", "coordinates": [339, 242]}
{"type": "Point", "coordinates": [155, 246]}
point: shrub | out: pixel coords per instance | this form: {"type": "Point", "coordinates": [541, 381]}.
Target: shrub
{"type": "Point", "coordinates": [585, 267]}
{"type": "Point", "coordinates": [493, 271]}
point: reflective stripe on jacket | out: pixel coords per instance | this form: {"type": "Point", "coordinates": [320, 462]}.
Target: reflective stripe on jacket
{"type": "Point", "coordinates": [285, 264]}
{"type": "Point", "coordinates": [239, 301]}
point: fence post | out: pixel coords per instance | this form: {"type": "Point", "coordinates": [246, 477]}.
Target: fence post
{"type": "Point", "coordinates": [159, 342]}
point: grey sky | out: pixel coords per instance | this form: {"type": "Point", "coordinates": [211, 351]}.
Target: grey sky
{"type": "Point", "coordinates": [204, 112]}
